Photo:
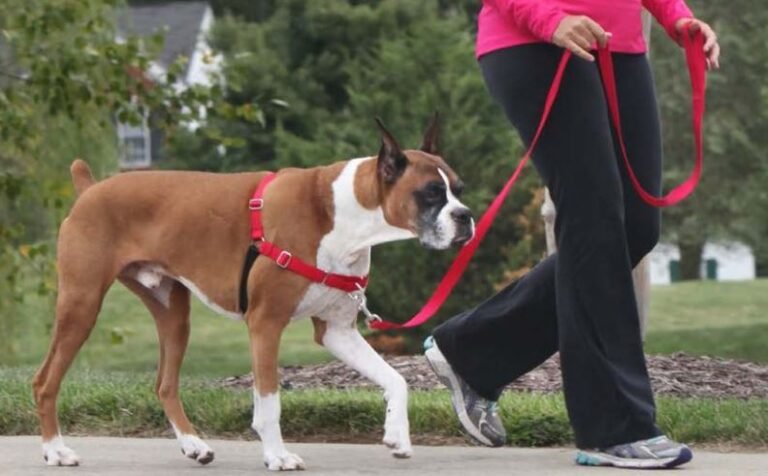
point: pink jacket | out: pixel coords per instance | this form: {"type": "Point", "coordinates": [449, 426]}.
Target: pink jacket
{"type": "Point", "coordinates": [504, 23]}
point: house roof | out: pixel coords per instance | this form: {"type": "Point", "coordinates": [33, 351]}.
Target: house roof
{"type": "Point", "coordinates": [183, 21]}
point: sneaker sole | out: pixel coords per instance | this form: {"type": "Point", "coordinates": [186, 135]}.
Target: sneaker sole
{"type": "Point", "coordinates": [592, 458]}
{"type": "Point", "coordinates": [447, 377]}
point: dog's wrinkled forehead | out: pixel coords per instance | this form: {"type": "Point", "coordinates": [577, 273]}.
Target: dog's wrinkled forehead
{"type": "Point", "coordinates": [427, 168]}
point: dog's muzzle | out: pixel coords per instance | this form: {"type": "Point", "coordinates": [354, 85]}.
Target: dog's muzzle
{"type": "Point", "coordinates": [465, 226]}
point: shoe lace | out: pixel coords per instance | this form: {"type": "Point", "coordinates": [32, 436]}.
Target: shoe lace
{"type": "Point", "coordinates": [489, 406]}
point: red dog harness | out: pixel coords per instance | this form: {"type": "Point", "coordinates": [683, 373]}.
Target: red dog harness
{"type": "Point", "coordinates": [285, 259]}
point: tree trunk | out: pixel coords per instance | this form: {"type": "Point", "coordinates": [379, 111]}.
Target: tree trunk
{"type": "Point", "coordinates": [690, 260]}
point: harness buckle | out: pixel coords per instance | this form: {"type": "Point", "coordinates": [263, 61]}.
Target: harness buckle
{"type": "Point", "coordinates": [284, 259]}
{"type": "Point", "coordinates": [255, 204]}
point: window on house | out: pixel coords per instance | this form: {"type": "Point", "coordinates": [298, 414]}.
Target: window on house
{"type": "Point", "coordinates": [135, 145]}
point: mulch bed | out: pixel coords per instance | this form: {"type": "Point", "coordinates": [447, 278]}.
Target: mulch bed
{"type": "Point", "coordinates": [679, 374]}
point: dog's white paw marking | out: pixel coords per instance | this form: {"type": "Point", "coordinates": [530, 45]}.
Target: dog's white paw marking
{"type": "Point", "coordinates": [56, 453]}
{"type": "Point", "coordinates": [283, 462]}
{"type": "Point", "coordinates": [397, 439]}
{"type": "Point", "coordinates": [194, 448]}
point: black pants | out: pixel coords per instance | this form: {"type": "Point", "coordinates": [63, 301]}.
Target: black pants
{"type": "Point", "coordinates": [581, 300]}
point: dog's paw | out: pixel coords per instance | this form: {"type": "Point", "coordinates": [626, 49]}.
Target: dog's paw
{"type": "Point", "coordinates": [194, 448]}
{"type": "Point", "coordinates": [55, 453]}
{"type": "Point", "coordinates": [398, 441]}
{"type": "Point", "coordinates": [283, 462]}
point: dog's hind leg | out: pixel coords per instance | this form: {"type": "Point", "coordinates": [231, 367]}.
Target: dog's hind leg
{"type": "Point", "coordinates": [265, 333]}
{"type": "Point", "coordinates": [83, 281]}
{"type": "Point", "coordinates": [344, 341]}
{"type": "Point", "coordinates": [172, 320]}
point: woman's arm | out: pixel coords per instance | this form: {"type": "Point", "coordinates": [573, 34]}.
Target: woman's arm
{"type": "Point", "coordinates": [675, 16]}
{"type": "Point", "coordinates": [577, 33]}
{"type": "Point", "coordinates": [668, 12]}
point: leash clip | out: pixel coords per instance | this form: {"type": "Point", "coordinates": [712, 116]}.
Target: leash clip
{"type": "Point", "coordinates": [362, 305]}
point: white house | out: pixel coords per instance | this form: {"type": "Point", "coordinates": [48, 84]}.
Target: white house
{"type": "Point", "coordinates": [186, 26]}
{"type": "Point", "coordinates": [721, 261]}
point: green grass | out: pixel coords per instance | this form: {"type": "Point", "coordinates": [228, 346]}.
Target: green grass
{"type": "Point", "coordinates": [725, 319]}
{"type": "Point", "coordinates": [109, 392]}
{"type": "Point", "coordinates": [124, 405]}
{"type": "Point", "coordinates": [125, 339]}
{"type": "Point", "coordinates": [722, 319]}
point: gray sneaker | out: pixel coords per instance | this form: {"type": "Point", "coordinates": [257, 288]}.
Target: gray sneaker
{"type": "Point", "coordinates": [478, 416]}
{"type": "Point", "coordinates": [658, 452]}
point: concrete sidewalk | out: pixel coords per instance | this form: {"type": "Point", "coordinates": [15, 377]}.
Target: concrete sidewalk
{"type": "Point", "coordinates": [149, 457]}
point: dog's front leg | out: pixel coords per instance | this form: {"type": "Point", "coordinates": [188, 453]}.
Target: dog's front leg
{"type": "Point", "coordinates": [346, 343]}
{"type": "Point", "coordinates": [265, 339]}
{"type": "Point", "coordinates": [266, 422]}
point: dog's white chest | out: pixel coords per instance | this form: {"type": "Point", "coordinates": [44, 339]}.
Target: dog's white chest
{"type": "Point", "coordinates": [329, 303]}
{"type": "Point", "coordinates": [346, 249]}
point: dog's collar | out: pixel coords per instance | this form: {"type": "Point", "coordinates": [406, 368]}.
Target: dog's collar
{"type": "Point", "coordinates": [288, 261]}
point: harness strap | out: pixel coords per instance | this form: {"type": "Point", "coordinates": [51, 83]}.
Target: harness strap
{"type": "Point", "coordinates": [286, 260]}
{"type": "Point", "coordinates": [283, 258]}
{"type": "Point", "coordinates": [256, 204]}
{"type": "Point", "coordinates": [250, 257]}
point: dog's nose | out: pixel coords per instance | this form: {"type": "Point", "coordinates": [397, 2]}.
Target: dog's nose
{"type": "Point", "coordinates": [462, 216]}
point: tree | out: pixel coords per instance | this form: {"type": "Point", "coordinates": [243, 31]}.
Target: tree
{"type": "Point", "coordinates": [64, 77]}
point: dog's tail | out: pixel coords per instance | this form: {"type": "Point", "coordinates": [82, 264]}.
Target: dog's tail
{"type": "Point", "coordinates": [81, 176]}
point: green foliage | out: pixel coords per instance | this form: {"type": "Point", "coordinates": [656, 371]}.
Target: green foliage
{"type": "Point", "coordinates": [64, 79]}
{"type": "Point", "coordinates": [64, 58]}
{"type": "Point", "coordinates": [730, 202]}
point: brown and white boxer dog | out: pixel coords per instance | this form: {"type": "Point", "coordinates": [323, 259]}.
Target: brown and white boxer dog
{"type": "Point", "coordinates": [164, 234]}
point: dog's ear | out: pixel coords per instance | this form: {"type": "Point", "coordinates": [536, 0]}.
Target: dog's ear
{"type": "Point", "coordinates": [430, 143]}
{"type": "Point", "coordinates": [391, 162]}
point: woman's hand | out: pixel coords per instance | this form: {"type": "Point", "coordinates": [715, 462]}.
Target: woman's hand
{"type": "Point", "coordinates": [580, 34]}
{"type": "Point", "coordinates": [711, 46]}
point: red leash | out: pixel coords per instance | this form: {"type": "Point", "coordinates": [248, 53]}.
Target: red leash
{"type": "Point", "coordinates": [697, 69]}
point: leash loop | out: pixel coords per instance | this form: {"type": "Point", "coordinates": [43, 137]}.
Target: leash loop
{"type": "Point", "coordinates": [696, 61]}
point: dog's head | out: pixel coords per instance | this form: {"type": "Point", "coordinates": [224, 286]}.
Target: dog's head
{"type": "Point", "coordinates": [421, 193]}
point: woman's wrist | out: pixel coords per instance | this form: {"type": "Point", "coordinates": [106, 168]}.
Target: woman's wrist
{"type": "Point", "coordinates": [580, 34]}
{"type": "Point", "coordinates": [690, 26]}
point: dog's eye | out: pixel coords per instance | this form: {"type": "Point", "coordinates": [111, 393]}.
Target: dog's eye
{"type": "Point", "coordinates": [435, 191]}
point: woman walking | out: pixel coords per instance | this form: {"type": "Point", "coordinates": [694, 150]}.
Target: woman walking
{"type": "Point", "coordinates": [579, 301]}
